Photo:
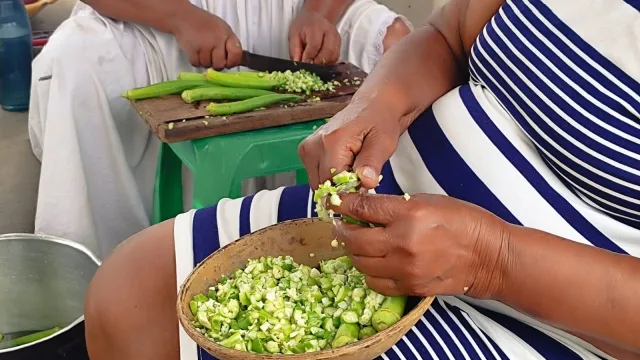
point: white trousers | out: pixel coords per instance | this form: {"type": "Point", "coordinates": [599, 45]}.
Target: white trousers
{"type": "Point", "coordinates": [98, 156]}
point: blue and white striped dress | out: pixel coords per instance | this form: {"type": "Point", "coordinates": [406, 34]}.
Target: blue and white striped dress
{"type": "Point", "coordinates": [546, 135]}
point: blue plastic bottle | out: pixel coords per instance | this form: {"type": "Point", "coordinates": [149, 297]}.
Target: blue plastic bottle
{"type": "Point", "coordinates": [15, 56]}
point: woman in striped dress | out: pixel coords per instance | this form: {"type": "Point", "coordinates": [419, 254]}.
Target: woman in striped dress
{"type": "Point", "coordinates": [520, 119]}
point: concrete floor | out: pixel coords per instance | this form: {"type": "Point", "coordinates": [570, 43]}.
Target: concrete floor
{"type": "Point", "coordinates": [20, 169]}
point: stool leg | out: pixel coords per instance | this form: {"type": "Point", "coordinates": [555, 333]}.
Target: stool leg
{"type": "Point", "coordinates": [213, 176]}
{"type": "Point", "coordinates": [302, 177]}
{"type": "Point", "coordinates": [167, 192]}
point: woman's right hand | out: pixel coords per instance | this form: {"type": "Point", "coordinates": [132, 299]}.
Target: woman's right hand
{"type": "Point", "coordinates": [361, 137]}
{"type": "Point", "coordinates": [207, 39]}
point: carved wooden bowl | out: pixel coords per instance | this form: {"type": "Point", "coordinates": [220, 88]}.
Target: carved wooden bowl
{"type": "Point", "coordinates": [298, 239]}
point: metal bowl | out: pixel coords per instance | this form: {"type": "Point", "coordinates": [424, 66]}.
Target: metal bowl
{"type": "Point", "coordinates": [43, 281]}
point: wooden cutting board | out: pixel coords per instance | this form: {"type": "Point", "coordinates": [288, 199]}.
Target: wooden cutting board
{"type": "Point", "coordinates": [172, 120]}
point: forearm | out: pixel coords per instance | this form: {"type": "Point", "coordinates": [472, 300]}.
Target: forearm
{"type": "Point", "coordinates": [575, 287]}
{"type": "Point", "coordinates": [414, 73]}
{"type": "Point", "coordinates": [332, 10]}
{"type": "Point", "coordinates": [160, 15]}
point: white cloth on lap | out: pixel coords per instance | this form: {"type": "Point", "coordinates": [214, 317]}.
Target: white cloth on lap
{"type": "Point", "coordinates": [98, 156]}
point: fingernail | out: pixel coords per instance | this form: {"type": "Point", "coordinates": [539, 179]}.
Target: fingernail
{"type": "Point", "coordinates": [368, 172]}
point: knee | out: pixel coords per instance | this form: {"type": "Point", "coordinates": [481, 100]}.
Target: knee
{"type": "Point", "coordinates": [395, 32]}
{"type": "Point", "coordinates": [99, 318]}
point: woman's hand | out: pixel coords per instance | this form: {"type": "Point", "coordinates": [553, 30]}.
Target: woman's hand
{"type": "Point", "coordinates": [426, 245]}
{"type": "Point", "coordinates": [313, 39]}
{"type": "Point", "coordinates": [207, 39]}
{"type": "Point", "coordinates": [361, 137]}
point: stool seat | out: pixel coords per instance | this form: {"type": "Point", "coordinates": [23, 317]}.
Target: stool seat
{"type": "Point", "coordinates": [221, 163]}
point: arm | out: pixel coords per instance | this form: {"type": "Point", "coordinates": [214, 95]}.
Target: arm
{"type": "Point", "coordinates": [160, 15]}
{"type": "Point", "coordinates": [588, 291]}
{"type": "Point", "coordinates": [435, 54]}
{"type": "Point", "coordinates": [313, 36]}
{"type": "Point", "coordinates": [332, 10]}
{"type": "Point", "coordinates": [415, 72]}
{"type": "Point", "coordinates": [220, 48]}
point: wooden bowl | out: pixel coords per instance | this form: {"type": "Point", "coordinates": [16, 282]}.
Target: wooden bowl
{"type": "Point", "coordinates": [298, 239]}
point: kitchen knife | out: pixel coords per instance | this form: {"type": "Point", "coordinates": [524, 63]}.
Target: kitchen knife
{"type": "Point", "coordinates": [267, 63]}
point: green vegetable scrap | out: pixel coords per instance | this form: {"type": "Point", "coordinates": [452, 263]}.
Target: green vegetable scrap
{"type": "Point", "coordinates": [276, 306]}
{"type": "Point", "coordinates": [328, 193]}
{"type": "Point", "coordinates": [27, 339]}
{"type": "Point", "coordinates": [329, 190]}
{"type": "Point", "coordinates": [365, 332]}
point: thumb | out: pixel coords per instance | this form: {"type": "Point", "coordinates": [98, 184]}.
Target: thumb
{"type": "Point", "coordinates": [376, 150]}
{"type": "Point", "coordinates": [295, 47]}
{"type": "Point", "coordinates": [372, 208]}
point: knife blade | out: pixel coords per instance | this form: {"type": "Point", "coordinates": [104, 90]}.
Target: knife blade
{"type": "Point", "coordinates": [267, 63]}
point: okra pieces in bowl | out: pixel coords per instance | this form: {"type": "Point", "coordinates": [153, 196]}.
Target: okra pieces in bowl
{"type": "Point", "coordinates": [277, 306]}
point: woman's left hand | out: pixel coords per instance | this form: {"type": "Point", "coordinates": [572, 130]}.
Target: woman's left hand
{"type": "Point", "coordinates": [313, 39]}
{"type": "Point", "coordinates": [426, 245]}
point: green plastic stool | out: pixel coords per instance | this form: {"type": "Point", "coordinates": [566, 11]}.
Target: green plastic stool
{"type": "Point", "coordinates": [219, 165]}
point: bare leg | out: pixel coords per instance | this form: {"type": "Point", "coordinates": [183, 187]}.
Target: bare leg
{"type": "Point", "coordinates": [130, 306]}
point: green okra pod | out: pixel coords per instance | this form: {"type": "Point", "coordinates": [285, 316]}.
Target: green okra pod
{"type": "Point", "coordinates": [191, 76]}
{"type": "Point", "coordinates": [249, 104]}
{"type": "Point", "coordinates": [240, 81]}
{"type": "Point", "coordinates": [347, 333]}
{"type": "Point", "coordinates": [221, 93]}
{"type": "Point", "coordinates": [27, 339]}
{"type": "Point", "coordinates": [164, 88]}
{"type": "Point", "coordinates": [389, 313]}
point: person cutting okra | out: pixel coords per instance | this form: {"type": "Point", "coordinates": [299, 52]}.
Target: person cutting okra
{"type": "Point", "coordinates": [98, 156]}
{"type": "Point", "coordinates": [513, 128]}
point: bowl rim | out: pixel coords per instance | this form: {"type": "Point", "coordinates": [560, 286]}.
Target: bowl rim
{"type": "Point", "coordinates": [421, 307]}
{"type": "Point", "coordinates": [62, 241]}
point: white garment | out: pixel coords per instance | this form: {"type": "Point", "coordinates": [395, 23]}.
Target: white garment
{"type": "Point", "coordinates": [98, 156]}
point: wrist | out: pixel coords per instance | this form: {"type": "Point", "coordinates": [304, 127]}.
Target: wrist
{"type": "Point", "coordinates": [390, 99]}
{"type": "Point", "coordinates": [182, 13]}
{"type": "Point", "coordinates": [494, 253]}
{"type": "Point", "coordinates": [331, 10]}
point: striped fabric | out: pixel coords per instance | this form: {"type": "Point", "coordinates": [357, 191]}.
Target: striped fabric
{"type": "Point", "coordinates": [545, 135]}
{"type": "Point", "coordinates": [577, 107]}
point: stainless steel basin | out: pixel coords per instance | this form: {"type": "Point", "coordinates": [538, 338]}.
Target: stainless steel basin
{"type": "Point", "coordinates": [43, 281]}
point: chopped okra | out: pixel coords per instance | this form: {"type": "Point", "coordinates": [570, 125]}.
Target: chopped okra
{"type": "Point", "coordinates": [301, 81]}
{"type": "Point", "coordinates": [275, 305]}
{"type": "Point", "coordinates": [328, 193]}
